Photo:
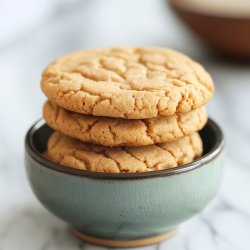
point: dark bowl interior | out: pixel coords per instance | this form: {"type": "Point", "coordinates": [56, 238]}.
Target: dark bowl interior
{"type": "Point", "coordinates": [227, 35]}
{"type": "Point", "coordinates": [39, 133]}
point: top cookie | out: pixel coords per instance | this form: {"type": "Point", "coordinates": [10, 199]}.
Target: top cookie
{"type": "Point", "coordinates": [132, 83]}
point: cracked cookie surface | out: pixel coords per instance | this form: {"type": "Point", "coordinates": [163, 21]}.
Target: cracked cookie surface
{"type": "Point", "coordinates": [123, 132]}
{"type": "Point", "coordinates": [133, 83]}
{"type": "Point", "coordinates": [86, 156]}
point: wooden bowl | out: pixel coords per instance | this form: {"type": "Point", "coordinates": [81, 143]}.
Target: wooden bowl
{"type": "Point", "coordinates": [228, 35]}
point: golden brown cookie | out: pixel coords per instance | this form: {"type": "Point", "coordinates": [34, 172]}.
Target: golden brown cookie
{"type": "Point", "coordinates": [133, 83]}
{"type": "Point", "coordinates": [123, 132]}
{"type": "Point", "coordinates": [86, 156]}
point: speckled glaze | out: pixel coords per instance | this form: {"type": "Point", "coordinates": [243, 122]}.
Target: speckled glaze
{"type": "Point", "coordinates": [124, 206]}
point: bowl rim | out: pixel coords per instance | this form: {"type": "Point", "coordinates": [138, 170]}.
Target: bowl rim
{"type": "Point", "coordinates": [31, 150]}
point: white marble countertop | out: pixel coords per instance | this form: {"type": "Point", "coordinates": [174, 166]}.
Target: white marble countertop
{"type": "Point", "coordinates": [32, 37]}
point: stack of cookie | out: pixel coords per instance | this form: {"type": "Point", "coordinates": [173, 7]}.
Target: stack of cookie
{"type": "Point", "coordinates": [125, 109]}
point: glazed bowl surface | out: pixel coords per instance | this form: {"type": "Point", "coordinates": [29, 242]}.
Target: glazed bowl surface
{"type": "Point", "coordinates": [124, 206]}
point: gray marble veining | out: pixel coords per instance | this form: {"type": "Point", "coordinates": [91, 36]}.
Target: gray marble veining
{"type": "Point", "coordinates": [64, 26]}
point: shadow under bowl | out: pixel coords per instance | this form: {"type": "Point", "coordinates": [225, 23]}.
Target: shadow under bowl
{"type": "Point", "coordinates": [126, 209]}
{"type": "Point", "coordinates": [227, 35]}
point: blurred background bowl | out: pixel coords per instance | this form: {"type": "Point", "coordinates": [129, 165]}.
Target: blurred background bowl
{"type": "Point", "coordinates": [227, 33]}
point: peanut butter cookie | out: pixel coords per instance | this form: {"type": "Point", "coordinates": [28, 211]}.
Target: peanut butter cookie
{"type": "Point", "coordinates": [86, 156]}
{"type": "Point", "coordinates": [123, 132]}
{"type": "Point", "coordinates": [133, 83]}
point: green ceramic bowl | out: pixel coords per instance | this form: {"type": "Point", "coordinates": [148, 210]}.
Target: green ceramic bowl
{"type": "Point", "coordinates": [124, 209]}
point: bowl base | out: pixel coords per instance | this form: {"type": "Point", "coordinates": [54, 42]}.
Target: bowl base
{"type": "Point", "coordinates": [123, 243]}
